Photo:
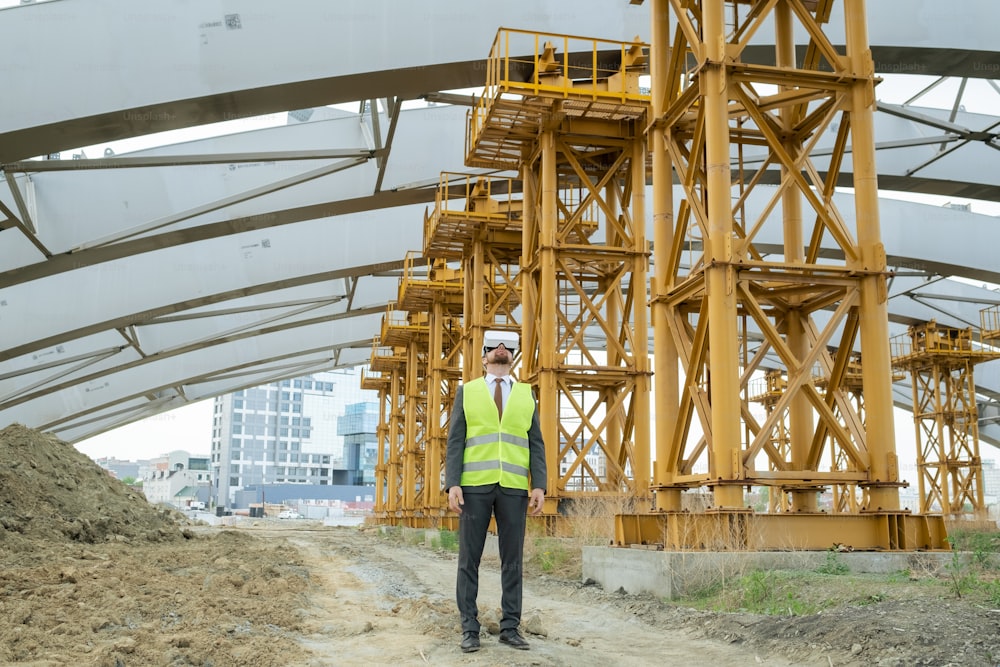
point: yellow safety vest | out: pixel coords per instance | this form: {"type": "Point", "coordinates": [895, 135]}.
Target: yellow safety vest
{"type": "Point", "coordinates": [496, 451]}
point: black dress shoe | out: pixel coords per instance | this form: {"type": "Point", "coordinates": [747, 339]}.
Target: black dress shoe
{"type": "Point", "coordinates": [514, 639]}
{"type": "Point", "coordinates": [470, 641]}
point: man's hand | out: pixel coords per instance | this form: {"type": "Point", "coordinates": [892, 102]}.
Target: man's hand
{"type": "Point", "coordinates": [456, 499]}
{"type": "Point", "coordinates": [535, 502]}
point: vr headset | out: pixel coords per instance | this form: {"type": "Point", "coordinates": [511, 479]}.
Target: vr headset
{"type": "Point", "coordinates": [493, 339]}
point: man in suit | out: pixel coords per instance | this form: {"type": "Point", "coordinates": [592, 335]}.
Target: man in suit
{"type": "Point", "coordinates": [495, 467]}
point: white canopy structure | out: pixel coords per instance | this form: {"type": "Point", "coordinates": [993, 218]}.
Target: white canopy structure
{"type": "Point", "coordinates": [134, 284]}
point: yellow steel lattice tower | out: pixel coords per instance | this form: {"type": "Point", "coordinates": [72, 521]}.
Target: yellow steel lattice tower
{"type": "Point", "coordinates": [570, 117]}
{"type": "Point", "coordinates": [477, 220]}
{"type": "Point", "coordinates": [406, 334]}
{"type": "Point", "coordinates": [476, 224]}
{"type": "Point", "coordinates": [768, 391]}
{"type": "Point", "coordinates": [726, 126]}
{"type": "Point", "coordinates": [389, 364]}
{"type": "Point", "coordinates": [380, 382]}
{"type": "Point", "coordinates": [433, 290]}
{"type": "Point", "coordinates": [940, 361]}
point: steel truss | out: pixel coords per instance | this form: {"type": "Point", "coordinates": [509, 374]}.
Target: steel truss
{"type": "Point", "coordinates": [708, 107]}
{"type": "Point", "coordinates": [940, 360]}
{"type": "Point", "coordinates": [573, 127]}
{"type": "Point", "coordinates": [400, 361]}
{"type": "Point", "coordinates": [437, 293]}
{"type": "Point", "coordinates": [477, 222]}
{"type": "Point", "coordinates": [472, 246]}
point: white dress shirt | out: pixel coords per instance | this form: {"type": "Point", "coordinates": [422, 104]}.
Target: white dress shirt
{"type": "Point", "coordinates": [505, 385]}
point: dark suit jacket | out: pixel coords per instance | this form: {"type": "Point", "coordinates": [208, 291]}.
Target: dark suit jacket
{"type": "Point", "coordinates": [456, 448]}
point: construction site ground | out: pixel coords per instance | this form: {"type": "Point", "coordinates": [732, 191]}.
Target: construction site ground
{"type": "Point", "coordinates": [91, 574]}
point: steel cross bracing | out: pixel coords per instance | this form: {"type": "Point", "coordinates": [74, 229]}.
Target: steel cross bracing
{"type": "Point", "coordinates": [940, 361]}
{"type": "Point", "coordinates": [701, 117]}
{"type": "Point", "coordinates": [428, 346]}
{"type": "Point", "coordinates": [166, 267]}
{"type": "Point", "coordinates": [573, 126]}
{"type": "Point", "coordinates": [475, 223]}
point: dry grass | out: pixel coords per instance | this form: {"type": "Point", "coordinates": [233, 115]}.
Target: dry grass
{"type": "Point", "coordinates": [586, 521]}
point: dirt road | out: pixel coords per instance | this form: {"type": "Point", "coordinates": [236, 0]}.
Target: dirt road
{"type": "Point", "coordinates": [382, 603]}
{"type": "Point", "coordinates": [297, 594]}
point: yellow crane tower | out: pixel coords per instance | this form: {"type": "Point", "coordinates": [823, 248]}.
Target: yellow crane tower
{"type": "Point", "coordinates": [567, 113]}
{"type": "Point", "coordinates": [430, 289]}
{"type": "Point", "coordinates": [725, 126]}
{"type": "Point", "coordinates": [941, 361]}
{"type": "Point", "coordinates": [386, 374]}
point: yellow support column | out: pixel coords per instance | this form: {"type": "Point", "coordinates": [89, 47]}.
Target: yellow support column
{"type": "Point", "coordinates": [548, 380]}
{"type": "Point", "coordinates": [665, 377]}
{"type": "Point", "coordinates": [641, 442]}
{"type": "Point", "coordinates": [394, 504]}
{"type": "Point", "coordinates": [800, 414]}
{"type": "Point", "coordinates": [874, 314]}
{"type": "Point", "coordinates": [720, 277]}
{"type": "Point", "coordinates": [377, 381]}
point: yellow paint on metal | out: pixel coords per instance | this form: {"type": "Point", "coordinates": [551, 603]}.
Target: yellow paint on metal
{"type": "Point", "coordinates": [715, 281]}
{"type": "Point", "coordinates": [585, 320]}
{"type": "Point", "coordinates": [940, 361]}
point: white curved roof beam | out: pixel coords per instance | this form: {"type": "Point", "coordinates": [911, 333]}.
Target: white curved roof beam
{"type": "Point", "coordinates": [130, 384]}
{"type": "Point", "coordinates": [264, 199]}
{"type": "Point", "coordinates": [395, 232]}
{"type": "Point", "coordinates": [910, 158]}
{"type": "Point", "coordinates": [85, 426]}
{"type": "Point", "coordinates": [153, 207]}
{"type": "Point", "coordinates": [126, 358]}
{"type": "Point", "coordinates": [113, 296]}
{"type": "Point", "coordinates": [197, 66]}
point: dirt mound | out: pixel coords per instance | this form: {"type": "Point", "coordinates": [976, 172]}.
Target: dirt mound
{"type": "Point", "coordinates": [50, 491]}
{"type": "Point", "coordinates": [91, 574]}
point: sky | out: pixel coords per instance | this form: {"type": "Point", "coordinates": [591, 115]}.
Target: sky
{"type": "Point", "coordinates": [190, 427]}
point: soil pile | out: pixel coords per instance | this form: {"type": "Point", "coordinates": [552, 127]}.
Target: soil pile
{"type": "Point", "coordinates": [50, 491]}
{"type": "Point", "coordinates": [91, 574]}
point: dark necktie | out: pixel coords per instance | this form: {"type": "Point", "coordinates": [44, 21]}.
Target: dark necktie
{"type": "Point", "coordinates": [498, 397]}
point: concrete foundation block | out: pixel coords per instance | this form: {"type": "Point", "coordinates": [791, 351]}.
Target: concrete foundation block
{"type": "Point", "coordinates": [671, 575]}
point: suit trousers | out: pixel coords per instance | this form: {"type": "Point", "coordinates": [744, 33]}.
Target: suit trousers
{"type": "Point", "coordinates": [510, 507]}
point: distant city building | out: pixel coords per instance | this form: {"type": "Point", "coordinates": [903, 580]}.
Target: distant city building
{"type": "Point", "coordinates": [177, 479]}
{"type": "Point", "coordinates": [582, 478]}
{"type": "Point", "coordinates": [121, 469]}
{"type": "Point", "coordinates": [287, 432]}
{"type": "Point", "coordinates": [359, 428]}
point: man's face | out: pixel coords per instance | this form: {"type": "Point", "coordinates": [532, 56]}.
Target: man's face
{"type": "Point", "coordinates": [499, 355]}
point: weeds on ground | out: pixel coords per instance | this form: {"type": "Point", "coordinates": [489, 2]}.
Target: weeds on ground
{"type": "Point", "coordinates": [973, 567]}
{"type": "Point", "coordinates": [982, 547]}
{"type": "Point", "coordinates": [589, 521]}
{"type": "Point", "coordinates": [553, 555]}
{"type": "Point", "coordinates": [833, 565]}
{"type": "Point", "coordinates": [768, 592]}
{"type": "Point", "coordinates": [391, 533]}
{"type": "Point", "coordinates": [447, 540]}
